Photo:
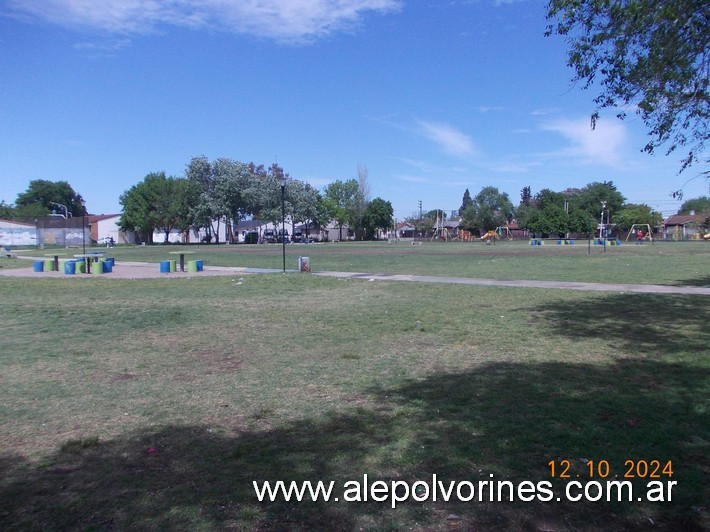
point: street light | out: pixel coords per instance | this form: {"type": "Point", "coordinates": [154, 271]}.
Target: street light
{"type": "Point", "coordinates": [602, 232]}
{"type": "Point", "coordinates": [282, 180]}
{"type": "Point", "coordinates": [83, 227]}
{"type": "Point", "coordinates": [66, 220]}
{"type": "Point", "coordinates": [66, 211]}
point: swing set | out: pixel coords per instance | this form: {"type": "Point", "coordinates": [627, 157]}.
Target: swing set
{"type": "Point", "coordinates": [635, 228]}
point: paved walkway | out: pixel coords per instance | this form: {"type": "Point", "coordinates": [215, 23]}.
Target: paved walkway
{"type": "Point", "coordinates": [144, 270]}
{"type": "Point", "coordinates": [594, 287]}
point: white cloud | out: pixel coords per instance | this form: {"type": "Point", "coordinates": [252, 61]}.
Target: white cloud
{"type": "Point", "coordinates": [447, 138]}
{"type": "Point", "coordinates": [415, 179]}
{"type": "Point", "coordinates": [281, 20]}
{"type": "Point", "coordinates": [604, 144]}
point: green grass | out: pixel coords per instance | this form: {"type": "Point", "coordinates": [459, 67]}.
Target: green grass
{"type": "Point", "coordinates": [676, 263]}
{"type": "Point", "coordinates": [146, 404]}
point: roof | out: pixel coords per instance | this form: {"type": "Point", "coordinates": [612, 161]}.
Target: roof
{"type": "Point", "coordinates": [685, 219]}
{"type": "Point", "coordinates": [100, 217]}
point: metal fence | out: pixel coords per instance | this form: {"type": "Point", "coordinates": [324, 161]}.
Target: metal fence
{"type": "Point", "coordinates": [46, 231]}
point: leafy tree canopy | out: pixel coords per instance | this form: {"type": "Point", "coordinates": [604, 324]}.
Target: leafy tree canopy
{"type": "Point", "coordinates": [39, 197]}
{"type": "Point", "coordinates": [697, 205]}
{"type": "Point", "coordinates": [649, 55]}
{"type": "Point", "coordinates": [341, 201]}
{"type": "Point", "coordinates": [157, 203]}
{"type": "Point", "coordinates": [636, 214]}
{"type": "Point", "coordinates": [378, 216]}
{"type": "Point", "coordinates": [590, 199]}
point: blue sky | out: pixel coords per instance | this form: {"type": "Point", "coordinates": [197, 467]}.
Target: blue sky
{"type": "Point", "coordinates": [432, 96]}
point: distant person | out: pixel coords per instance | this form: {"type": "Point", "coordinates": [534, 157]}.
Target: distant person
{"type": "Point", "coordinates": [639, 237]}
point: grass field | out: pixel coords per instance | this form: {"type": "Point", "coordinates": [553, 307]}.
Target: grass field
{"type": "Point", "coordinates": [684, 263]}
{"type": "Point", "coordinates": [145, 404]}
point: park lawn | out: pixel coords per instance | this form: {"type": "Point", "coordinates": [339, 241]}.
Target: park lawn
{"type": "Point", "coordinates": [673, 263]}
{"type": "Point", "coordinates": [155, 404]}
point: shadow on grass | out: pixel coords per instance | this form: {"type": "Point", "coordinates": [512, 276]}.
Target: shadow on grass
{"type": "Point", "coordinates": [648, 323]}
{"type": "Point", "coordinates": [698, 281]}
{"type": "Point", "coordinates": [505, 419]}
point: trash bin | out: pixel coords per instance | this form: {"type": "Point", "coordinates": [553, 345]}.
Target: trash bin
{"type": "Point", "coordinates": [69, 267]}
{"type": "Point", "coordinates": [39, 265]}
{"type": "Point", "coordinates": [304, 264]}
{"type": "Point", "coordinates": [164, 266]}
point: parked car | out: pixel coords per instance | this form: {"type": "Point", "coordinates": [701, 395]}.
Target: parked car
{"type": "Point", "coordinates": [283, 236]}
{"type": "Point", "coordinates": [269, 236]}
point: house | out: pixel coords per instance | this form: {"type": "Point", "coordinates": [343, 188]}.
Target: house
{"type": "Point", "coordinates": [103, 227]}
{"type": "Point", "coordinates": [332, 232]}
{"type": "Point", "coordinates": [683, 226]}
{"type": "Point", "coordinates": [405, 230]}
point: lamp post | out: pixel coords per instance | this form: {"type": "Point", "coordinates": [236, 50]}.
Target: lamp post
{"type": "Point", "coordinates": [602, 232]}
{"type": "Point", "coordinates": [66, 211]}
{"type": "Point", "coordinates": [282, 180]}
{"type": "Point", "coordinates": [66, 220]}
{"type": "Point", "coordinates": [83, 227]}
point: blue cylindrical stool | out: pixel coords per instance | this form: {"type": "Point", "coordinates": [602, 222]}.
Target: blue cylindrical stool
{"type": "Point", "coordinates": [39, 265]}
{"type": "Point", "coordinates": [108, 266]}
{"type": "Point", "coordinates": [199, 265]}
{"type": "Point", "coordinates": [112, 260]}
{"type": "Point", "coordinates": [69, 267]}
{"type": "Point", "coordinates": [164, 266]}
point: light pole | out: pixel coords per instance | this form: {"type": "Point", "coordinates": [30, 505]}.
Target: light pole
{"type": "Point", "coordinates": [66, 220]}
{"type": "Point", "coordinates": [66, 211]}
{"type": "Point", "coordinates": [83, 227]}
{"type": "Point", "coordinates": [283, 221]}
{"type": "Point", "coordinates": [602, 232]}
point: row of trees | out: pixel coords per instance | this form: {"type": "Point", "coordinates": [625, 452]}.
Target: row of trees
{"type": "Point", "coordinates": [549, 212]}
{"type": "Point", "coordinates": [228, 191]}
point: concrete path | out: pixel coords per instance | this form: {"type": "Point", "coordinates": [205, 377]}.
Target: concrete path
{"type": "Point", "coordinates": [567, 285]}
{"type": "Point", "coordinates": [143, 270]}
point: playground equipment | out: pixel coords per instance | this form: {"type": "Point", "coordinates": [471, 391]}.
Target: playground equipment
{"type": "Point", "coordinates": [646, 228]}
{"type": "Point", "coordinates": [498, 233]}
{"type": "Point", "coordinates": [489, 235]}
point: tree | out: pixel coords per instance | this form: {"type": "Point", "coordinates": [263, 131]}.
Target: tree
{"type": "Point", "coordinates": [7, 212]}
{"type": "Point", "coordinates": [231, 198]}
{"type": "Point", "coordinates": [550, 220]}
{"type": "Point", "coordinates": [340, 202]}
{"type": "Point", "coordinates": [632, 214]}
{"type": "Point", "coordinates": [303, 202]}
{"type": "Point", "coordinates": [157, 203]}
{"type": "Point", "coordinates": [493, 208]}
{"type": "Point", "coordinates": [580, 222]}
{"type": "Point", "coordinates": [206, 209]}
{"type": "Point", "coordinates": [548, 197]}
{"type": "Point", "coordinates": [378, 216]}
{"type": "Point", "coordinates": [697, 205]}
{"type": "Point", "coordinates": [526, 196]}
{"type": "Point", "coordinates": [649, 55]}
{"type": "Point", "coordinates": [361, 201]}
{"type": "Point", "coordinates": [590, 199]}
{"type": "Point", "coordinates": [39, 197]}
{"type": "Point", "coordinates": [466, 201]}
